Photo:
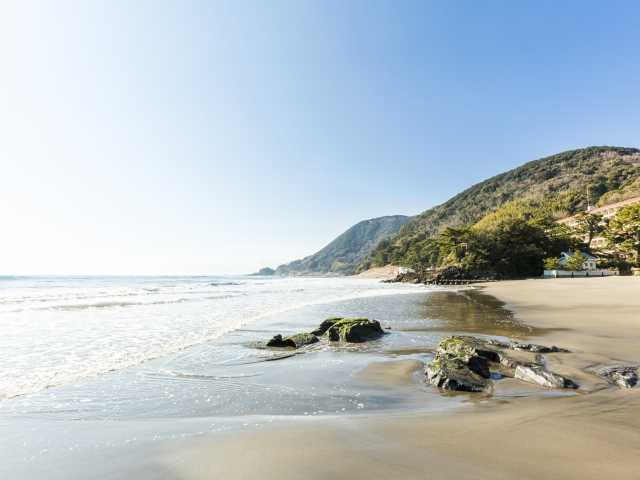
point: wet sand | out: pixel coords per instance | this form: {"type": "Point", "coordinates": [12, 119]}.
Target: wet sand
{"type": "Point", "coordinates": [594, 434]}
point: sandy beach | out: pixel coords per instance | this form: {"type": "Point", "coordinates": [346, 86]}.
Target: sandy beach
{"type": "Point", "coordinates": [593, 434]}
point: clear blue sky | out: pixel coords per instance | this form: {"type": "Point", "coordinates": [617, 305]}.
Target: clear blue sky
{"type": "Point", "coordinates": [218, 137]}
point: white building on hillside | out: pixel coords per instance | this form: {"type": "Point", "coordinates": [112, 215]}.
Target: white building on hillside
{"type": "Point", "coordinates": [607, 211]}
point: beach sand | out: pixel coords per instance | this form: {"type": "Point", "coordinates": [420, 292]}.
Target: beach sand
{"type": "Point", "coordinates": [388, 272]}
{"type": "Point", "coordinates": [594, 434]}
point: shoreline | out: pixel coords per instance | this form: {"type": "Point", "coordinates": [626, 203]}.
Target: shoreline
{"type": "Point", "coordinates": [589, 435]}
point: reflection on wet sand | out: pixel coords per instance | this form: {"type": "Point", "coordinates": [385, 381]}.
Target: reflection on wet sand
{"type": "Point", "coordinates": [469, 311]}
{"type": "Point", "coordinates": [392, 374]}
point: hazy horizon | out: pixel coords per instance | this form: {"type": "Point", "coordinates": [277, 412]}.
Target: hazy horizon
{"type": "Point", "coordinates": [166, 138]}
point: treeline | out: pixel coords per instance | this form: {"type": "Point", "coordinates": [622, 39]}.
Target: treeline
{"type": "Point", "coordinates": [607, 173]}
{"type": "Point", "coordinates": [520, 239]}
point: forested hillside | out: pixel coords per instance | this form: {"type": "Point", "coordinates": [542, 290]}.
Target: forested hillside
{"type": "Point", "coordinates": [576, 176]}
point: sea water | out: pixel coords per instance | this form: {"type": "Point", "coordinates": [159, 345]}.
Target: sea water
{"type": "Point", "coordinates": [58, 330]}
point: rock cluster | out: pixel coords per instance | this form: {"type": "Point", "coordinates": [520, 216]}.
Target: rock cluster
{"type": "Point", "coordinates": [622, 376]}
{"type": "Point", "coordinates": [465, 363]}
{"type": "Point", "coordinates": [336, 329]}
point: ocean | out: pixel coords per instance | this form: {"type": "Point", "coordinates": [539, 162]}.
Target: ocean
{"type": "Point", "coordinates": [58, 330]}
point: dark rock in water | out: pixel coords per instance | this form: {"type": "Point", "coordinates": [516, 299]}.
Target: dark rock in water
{"type": "Point", "coordinates": [353, 330]}
{"type": "Point", "coordinates": [324, 326]}
{"type": "Point", "coordinates": [278, 341]}
{"type": "Point", "coordinates": [450, 373]}
{"type": "Point", "coordinates": [538, 375]}
{"type": "Point", "coordinates": [467, 347]}
{"type": "Point", "coordinates": [479, 366]}
{"type": "Point", "coordinates": [336, 329]}
{"type": "Point", "coordinates": [454, 276]}
{"type": "Point", "coordinates": [532, 347]}
{"type": "Point", "coordinates": [462, 364]}
{"type": "Point", "coordinates": [293, 341]}
{"type": "Point", "coordinates": [302, 339]}
{"type": "Point", "coordinates": [624, 377]}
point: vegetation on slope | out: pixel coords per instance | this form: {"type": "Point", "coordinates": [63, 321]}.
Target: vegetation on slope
{"type": "Point", "coordinates": [347, 251]}
{"type": "Point", "coordinates": [629, 189]}
{"type": "Point", "coordinates": [570, 178]}
{"type": "Point", "coordinates": [522, 237]}
{"type": "Point", "coordinates": [510, 242]}
{"type": "Point", "coordinates": [265, 272]}
{"type": "Point", "coordinates": [623, 234]}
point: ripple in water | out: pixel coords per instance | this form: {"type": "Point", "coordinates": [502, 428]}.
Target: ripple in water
{"type": "Point", "coordinates": [59, 330]}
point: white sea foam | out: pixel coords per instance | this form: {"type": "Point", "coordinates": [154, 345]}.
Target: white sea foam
{"type": "Point", "coordinates": [59, 330]}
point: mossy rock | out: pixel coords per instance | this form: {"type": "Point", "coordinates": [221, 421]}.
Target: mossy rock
{"type": "Point", "coordinates": [462, 364]}
{"type": "Point", "coordinates": [325, 325]}
{"type": "Point", "coordinates": [353, 330]}
{"type": "Point", "coordinates": [294, 341]}
{"type": "Point", "coordinates": [466, 348]}
{"type": "Point", "coordinates": [451, 373]}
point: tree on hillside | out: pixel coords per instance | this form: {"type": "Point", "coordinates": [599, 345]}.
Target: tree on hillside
{"type": "Point", "coordinates": [623, 233]}
{"type": "Point", "coordinates": [516, 248]}
{"type": "Point", "coordinates": [380, 256]}
{"type": "Point", "coordinates": [453, 243]}
{"type": "Point", "coordinates": [588, 226]}
{"type": "Point", "coordinates": [511, 242]}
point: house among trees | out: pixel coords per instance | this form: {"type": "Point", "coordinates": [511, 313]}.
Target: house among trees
{"type": "Point", "coordinates": [574, 264]}
{"type": "Point", "coordinates": [577, 260]}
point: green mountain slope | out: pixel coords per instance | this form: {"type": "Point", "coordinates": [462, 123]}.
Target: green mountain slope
{"type": "Point", "coordinates": [347, 251]}
{"type": "Point", "coordinates": [578, 174]}
{"type": "Point", "coordinates": [629, 190]}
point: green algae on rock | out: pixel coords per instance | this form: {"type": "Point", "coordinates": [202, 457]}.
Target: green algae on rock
{"type": "Point", "coordinates": [464, 363]}
{"type": "Point", "coordinates": [293, 341]}
{"type": "Point", "coordinates": [451, 373]}
{"type": "Point", "coordinates": [335, 329]}
{"type": "Point", "coordinates": [467, 348]}
{"type": "Point", "coordinates": [325, 325]}
{"type": "Point", "coordinates": [353, 330]}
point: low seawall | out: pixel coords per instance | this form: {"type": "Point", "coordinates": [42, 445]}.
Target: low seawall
{"type": "Point", "coordinates": [582, 273]}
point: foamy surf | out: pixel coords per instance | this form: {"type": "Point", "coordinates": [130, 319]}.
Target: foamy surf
{"type": "Point", "coordinates": [60, 330]}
